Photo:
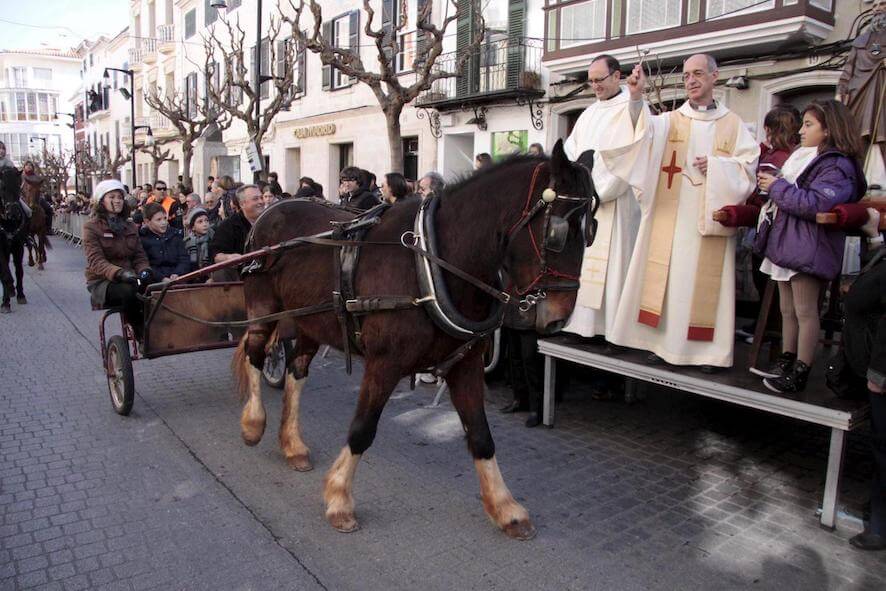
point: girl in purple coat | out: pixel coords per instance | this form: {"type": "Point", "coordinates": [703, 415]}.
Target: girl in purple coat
{"type": "Point", "coordinates": [800, 255]}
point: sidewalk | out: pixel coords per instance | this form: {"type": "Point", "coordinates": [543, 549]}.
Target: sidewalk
{"type": "Point", "coordinates": [676, 493]}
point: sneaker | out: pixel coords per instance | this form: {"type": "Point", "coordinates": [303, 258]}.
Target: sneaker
{"type": "Point", "coordinates": [792, 382]}
{"type": "Point", "coordinates": [782, 366]}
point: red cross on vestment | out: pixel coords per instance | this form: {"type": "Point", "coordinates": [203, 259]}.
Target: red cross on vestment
{"type": "Point", "coordinates": [672, 168]}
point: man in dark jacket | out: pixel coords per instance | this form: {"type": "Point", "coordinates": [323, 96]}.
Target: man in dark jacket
{"type": "Point", "coordinates": [353, 189]}
{"type": "Point", "coordinates": [864, 343]}
{"type": "Point", "coordinates": [230, 236]}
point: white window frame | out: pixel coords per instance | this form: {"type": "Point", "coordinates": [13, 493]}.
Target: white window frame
{"type": "Point", "coordinates": [571, 39]}
{"type": "Point", "coordinates": [633, 3]}
{"type": "Point", "coordinates": [339, 25]}
{"type": "Point", "coordinates": [753, 6]}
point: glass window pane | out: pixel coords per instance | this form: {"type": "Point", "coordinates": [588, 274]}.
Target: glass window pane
{"type": "Point", "coordinates": [727, 8]}
{"type": "Point", "coordinates": [650, 15]}
{"type": "Point", "coordinates": [582, 23]}
{"type": "Point", "coordinates": [32, 105]}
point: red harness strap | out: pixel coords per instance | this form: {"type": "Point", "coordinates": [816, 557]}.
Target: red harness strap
{"type": "Point", "coordinates": [528, 210]}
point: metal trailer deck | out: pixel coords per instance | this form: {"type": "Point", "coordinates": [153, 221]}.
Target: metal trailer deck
{"type": "Point", "coordinates": [816, 405]}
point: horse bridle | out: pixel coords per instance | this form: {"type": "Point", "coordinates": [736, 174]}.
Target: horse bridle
{"type": "Point", "coordinates": [555, 231]}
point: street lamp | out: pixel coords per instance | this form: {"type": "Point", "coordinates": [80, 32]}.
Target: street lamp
{"type": "Point", "coordinates": [73, 127]}
{"type": "Point", "coordinates": [258, 78]}
{"type": "Point", "coordinates": [107, 76]}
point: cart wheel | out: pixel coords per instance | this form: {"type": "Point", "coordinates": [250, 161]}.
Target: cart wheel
{"type": "Point", "coordinates": [120, 380]}
{"type": "Point", "coordinates": [274, 371]}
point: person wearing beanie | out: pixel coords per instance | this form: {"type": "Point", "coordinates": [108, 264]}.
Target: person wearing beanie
{"type": "Point", "coordinates": [199, 236]}
{"type": "Point", "coordinates": [114, 255]}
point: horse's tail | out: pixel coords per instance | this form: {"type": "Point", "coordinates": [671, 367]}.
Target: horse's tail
{"type": "Point", "coordinates": [240, 369]}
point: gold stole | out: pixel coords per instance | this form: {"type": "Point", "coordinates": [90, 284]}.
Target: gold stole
{"type": "Point", "coordinates": [596, 259]}
{"type": "Point", "coordinates": [709, 272]}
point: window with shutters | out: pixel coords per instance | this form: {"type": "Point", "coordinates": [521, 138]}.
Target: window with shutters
{"type": "Point", "coordinates": [344, 31]}
{"type": "Point", "coordinates": [265, 66]}
{"type": "Point", "coordinates": [651, 15]}
{"type": "Point", "coordinates": [210, 14]}
{"type": "Point", "coordinates": [291, 49]}
{"type": "Point", "coordinates": [582, 23]}
{"type": "Point", "coordinates": [191, 94]}
{"type": "Point", "coordinates": [190, 23]}
{"type": "Point", "coordinates": [727, 8]}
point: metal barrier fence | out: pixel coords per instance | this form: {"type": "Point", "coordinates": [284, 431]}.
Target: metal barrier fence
{"type": "Point", "coordinates": [70, 226]}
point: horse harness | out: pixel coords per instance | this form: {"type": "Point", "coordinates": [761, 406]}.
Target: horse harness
{"type": "Point", "coordinates": [347, 238]}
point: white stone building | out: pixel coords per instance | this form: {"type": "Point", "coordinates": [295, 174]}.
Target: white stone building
{"type": "Point", "coordinates": [34, 86]}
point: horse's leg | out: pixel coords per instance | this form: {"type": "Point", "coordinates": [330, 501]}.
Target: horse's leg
{"type": "Point", "coordinates": [5, 278]}
{"type": "Point", "coordinates": [18, 256]}
{"type": "Point", "coordinates": [28, 244]}
{"type": "Point", "coordinates": [379, 381]}
{"type": "Point", "coordinates": [466, 388]}
{"type": "Point", "coordinates": [298, 456]}
{"type": "Point", "coordinates": [41, 249]}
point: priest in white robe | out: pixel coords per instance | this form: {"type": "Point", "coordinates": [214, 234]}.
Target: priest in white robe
{"type": "Point", "coordinates": [678, 301]}
{"type": "Point", "coordinates": [606, 124]}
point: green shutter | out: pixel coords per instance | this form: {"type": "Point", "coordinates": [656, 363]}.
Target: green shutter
{"type": "Point", "coordinates": [327, 70]}
{"type": "Point", "coordinates": [421, 40]}
{"type": "Point", "coordinates": [387, 25]}
{"type": "Point", "coordinates": [516, 28]}
{"type": "Point", "coordinates": [617, 8]}
{"type": "Point", "coordinates": [467, 81]}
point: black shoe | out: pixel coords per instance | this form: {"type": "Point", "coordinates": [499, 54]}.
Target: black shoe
{"type": "Point", "coordinates": [791, 382]}
{"type": "Point", "coordinates": [711, 369]}
{"type": "Point", "coordinates": [783, 366]}
{"type": "Point", "coordinates": [868, 541]}
{"type": "Point", "coordinates": [534, 420]}
{"type": "Point", "coordinates": [513, 407]}
{"type": "Point", "coordinates": [613, 349]}
{"type": "Point", "coordinates": [653, 359]}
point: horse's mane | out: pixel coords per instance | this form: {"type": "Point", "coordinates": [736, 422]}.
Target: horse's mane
{"type": "Point", "coordinates": [467, 180]}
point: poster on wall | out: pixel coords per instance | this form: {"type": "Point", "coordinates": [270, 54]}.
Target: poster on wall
{"type": "Point", "coordinates": [507, 143]}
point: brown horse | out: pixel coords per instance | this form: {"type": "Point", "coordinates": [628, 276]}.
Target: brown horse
{"type": "Point", "coordinates": [38, 231]}
{"type": "Point", "coordinates": [490, 222]}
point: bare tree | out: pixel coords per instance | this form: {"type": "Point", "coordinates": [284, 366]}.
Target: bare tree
{"type": "Point", "coordinates": [190, 118]}
{"type": "Point", "coordinates": [56, 167]}
{"type": "Point", "coordinates": [236, 96]}
{"type": "Point", "coordinates": [99, 162]}
{"type": "Point", "coordinates": [158, 156]}
{"type": "Point", "coordinates": [392, 91]}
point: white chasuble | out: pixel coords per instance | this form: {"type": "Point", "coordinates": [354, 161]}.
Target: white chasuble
{"type": "Point", "coordinates": [604, 125]}
{"type": "Point", "coordinates": [679, 295]}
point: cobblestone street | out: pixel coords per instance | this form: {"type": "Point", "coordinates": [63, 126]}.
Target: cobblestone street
{"type": "Point", "coordinates": [677, 492]}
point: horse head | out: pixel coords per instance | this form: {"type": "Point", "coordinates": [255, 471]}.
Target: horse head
{"type": "Point", "coordinates": [10, 185]}
{"type": "Point", "coordinates": [546, 246]}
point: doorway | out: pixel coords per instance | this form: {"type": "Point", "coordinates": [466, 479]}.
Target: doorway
{"type": "Point", "coordinates": [458, 154]}
{"type": "Point", "coordinates": [291, 170]}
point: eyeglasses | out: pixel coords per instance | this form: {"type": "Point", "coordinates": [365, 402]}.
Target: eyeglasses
{"type": "Point", "coordinates": [159, 188]}
{"type": "Point", "coordinates": [601, 80]}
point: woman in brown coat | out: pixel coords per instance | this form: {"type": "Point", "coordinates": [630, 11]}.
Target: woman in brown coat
{"type": "Point", "coordinates": [114, 254]}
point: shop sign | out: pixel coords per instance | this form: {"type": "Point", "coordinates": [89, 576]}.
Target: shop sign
{"type": "Point", "coordinates": [315, 130]}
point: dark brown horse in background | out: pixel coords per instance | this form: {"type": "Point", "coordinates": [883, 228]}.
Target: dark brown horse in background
{"type": "Point", "coordinates": [38, 231]}
{"type": "Point", "coordinates": [13, 233]}
{"type": "Point", "coordinates": [482, 227]}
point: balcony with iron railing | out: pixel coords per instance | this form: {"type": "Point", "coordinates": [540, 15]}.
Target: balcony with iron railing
{"type": "Point", "coordinates": [671, 29]}
{"type": "Point", "coordinates": [505, 68]}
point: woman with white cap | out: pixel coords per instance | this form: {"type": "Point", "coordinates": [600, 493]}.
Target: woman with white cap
{"type": "Point", "coordinates": [115, 258]}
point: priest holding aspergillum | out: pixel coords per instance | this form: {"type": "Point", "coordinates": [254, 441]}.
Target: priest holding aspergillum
{"type": "Point", "coordinates": [678, 301]}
